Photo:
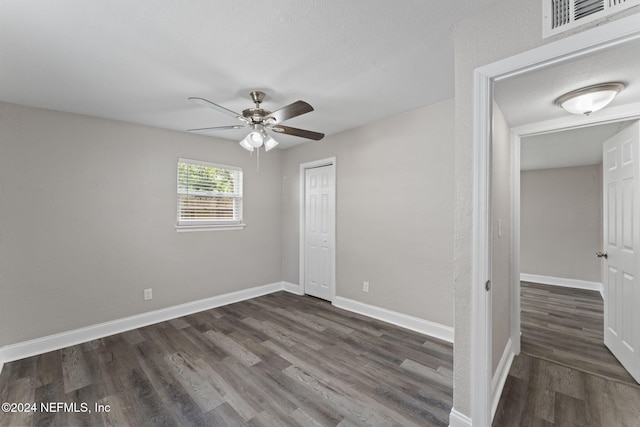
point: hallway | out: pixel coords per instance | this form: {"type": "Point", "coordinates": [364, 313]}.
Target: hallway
{"type": "Point", "coordinates": [565, 376]}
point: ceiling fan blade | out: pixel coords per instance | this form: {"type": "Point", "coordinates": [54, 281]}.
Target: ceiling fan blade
{"type": "Point", "coordinates": [290, 111]}
{"type": "Point", "coordinates": [209, 104]}
{"type": "Point", "coordinates": [217, 128]}
{"type": "Point", "coordinates": [316, 136]}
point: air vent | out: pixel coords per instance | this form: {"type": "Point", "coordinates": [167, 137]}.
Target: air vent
{"type": "Point", "coordinates": [559, 16]}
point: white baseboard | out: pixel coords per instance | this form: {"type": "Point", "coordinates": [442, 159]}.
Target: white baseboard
{"type": "Point", "coordinates": [456, 419]}
{"type": "Point", "coordinates": [560, 281]}
{"type": "Point", "coordinates": [500, 376]}
{"type": "Point", "coordinates": [416, 324]}
{"type": "Point", "coordinates": [292, 287]}
{"type": "Point", "coordinates": [77, 336]}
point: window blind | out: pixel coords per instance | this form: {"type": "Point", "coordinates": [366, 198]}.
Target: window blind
{"type": "Point", "coordinates": [209, 194]}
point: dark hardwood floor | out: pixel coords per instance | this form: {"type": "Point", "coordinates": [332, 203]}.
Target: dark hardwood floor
{"type": "Point", "coordinates": [276, 360]}
{"type": "Point", "coordinates": [565, 325]}
{"type": "Point", "coordinates": [564, 375]}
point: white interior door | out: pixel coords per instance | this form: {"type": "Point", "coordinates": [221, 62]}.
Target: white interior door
{"type": "Point", "coordinates": [621, 238]}
{"type": "Point", "coordinates": [319, 235]}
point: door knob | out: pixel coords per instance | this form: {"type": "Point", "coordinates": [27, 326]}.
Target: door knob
{"type": "Point", "coordinates": [602, 255]}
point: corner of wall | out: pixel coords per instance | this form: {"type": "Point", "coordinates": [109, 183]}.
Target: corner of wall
{"type": "Point", "coordinates": [457, 419]}
{"type": "Point", "coordinates": [292, 288]}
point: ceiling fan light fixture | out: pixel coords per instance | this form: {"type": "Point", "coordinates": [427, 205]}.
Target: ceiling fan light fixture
{"type": "Point", "coordinates": [245, 144]}
{"type": "Point", "coordinates": [269, 143]}
{"type": "Point", "coordinates": [255, 139]}
{"type": "Point", "coordinates": [589, 99]}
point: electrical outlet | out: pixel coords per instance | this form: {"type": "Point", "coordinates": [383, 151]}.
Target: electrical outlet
{"type": "Point", "coordinates": [148, 294]}
{"type": "Point", "coordinates": [365, 286]}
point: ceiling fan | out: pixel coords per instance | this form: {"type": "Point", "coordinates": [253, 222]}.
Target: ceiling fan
{"type": "Point", "coordinates": [260, 121]}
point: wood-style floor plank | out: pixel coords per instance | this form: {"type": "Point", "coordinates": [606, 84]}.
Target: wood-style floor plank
{"type": "Point", "coordinates": [277, 360]}
{"type": "Point", "coordinates": [564, 375]}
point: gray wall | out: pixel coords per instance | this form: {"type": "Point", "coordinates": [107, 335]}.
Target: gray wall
{"type": "Point", "coordinates": [501, 235]}
{"type": "Point", "coordinates": [561, 222]}
{"type": "Point", "coordinates": [394, 211]}
{"type": "Point", "coordinates": [3, 313]}
{"type": "Point", "coordinates": [88, 216]}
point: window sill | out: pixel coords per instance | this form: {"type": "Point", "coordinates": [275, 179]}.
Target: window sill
{"type": "Point", "coordinates": [187, 228]}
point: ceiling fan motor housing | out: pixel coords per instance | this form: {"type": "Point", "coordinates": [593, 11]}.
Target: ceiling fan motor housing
{"type": "Point", "coordinates": [256, 115]}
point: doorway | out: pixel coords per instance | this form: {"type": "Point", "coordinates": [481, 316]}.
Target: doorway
{"type": "Point", "coordinates": [582, 45]}
{"type": "Point", "coordinates": [563, 327]}
{"type": "Point", "coordinates": [545, 136]}
{"type": "Point", "coordinates": [561, 206]}
{"type": "Point", "coordinates": [561, 231]}
{"type": "Point", "coordinates": [317, 228]}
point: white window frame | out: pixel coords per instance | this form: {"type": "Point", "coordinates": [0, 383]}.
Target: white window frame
{"type": "Point", "coordinates": [211, 225]}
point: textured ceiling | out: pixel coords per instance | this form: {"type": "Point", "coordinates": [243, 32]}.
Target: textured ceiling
{"type": "Point", "coordinates": [355, 61]}
{"type": "Point", "coordinates": [575, 147]}
{"type": "Point", "coordinates": [529, 98]}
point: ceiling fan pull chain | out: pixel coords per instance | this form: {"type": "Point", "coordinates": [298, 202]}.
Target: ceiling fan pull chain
{"type": "Point", "coordinates": [258, 159]}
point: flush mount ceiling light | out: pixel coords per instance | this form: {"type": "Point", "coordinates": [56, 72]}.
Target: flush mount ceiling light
{"type": "Point", "coordinates": [589, 99]}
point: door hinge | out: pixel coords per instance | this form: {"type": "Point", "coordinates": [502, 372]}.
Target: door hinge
{"type": "Point", "coordinates": [487, 285]}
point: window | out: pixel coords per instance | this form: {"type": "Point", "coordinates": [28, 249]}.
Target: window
{"type": "Point", "coordinates": [209, 195]}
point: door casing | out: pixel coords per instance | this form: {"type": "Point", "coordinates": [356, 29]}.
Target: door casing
{"type": "Point", "coordinates": [302, 254]}
{"type": "Point", "coordinates": [596, 39]}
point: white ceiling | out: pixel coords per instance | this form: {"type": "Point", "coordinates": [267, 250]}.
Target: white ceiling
{"type": "Point", "coordinates": [139, 60]}
{"type": "Point", "coordinates": [575, 147]}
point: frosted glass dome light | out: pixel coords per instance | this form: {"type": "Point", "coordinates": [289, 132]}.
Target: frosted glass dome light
{"type": "Point", "coordinates": [589, 99]}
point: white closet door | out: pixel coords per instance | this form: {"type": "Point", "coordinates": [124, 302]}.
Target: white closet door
{"type": "Point", "coordinates": [319, 223]}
